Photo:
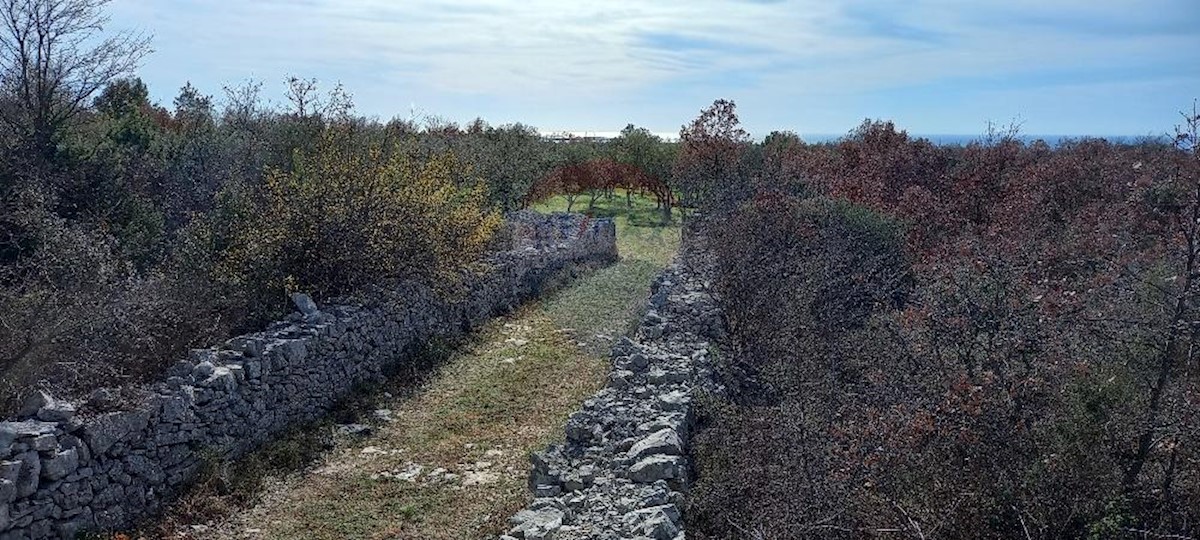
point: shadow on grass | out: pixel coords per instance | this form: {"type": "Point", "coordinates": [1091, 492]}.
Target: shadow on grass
{"type": "Point", "coordinates": [223, 486]}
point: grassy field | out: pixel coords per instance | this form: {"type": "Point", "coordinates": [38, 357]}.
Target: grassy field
{"type": "Point", "coordinates": [452, 462]}
{"type": "Point", "coordinates": [613, 295]}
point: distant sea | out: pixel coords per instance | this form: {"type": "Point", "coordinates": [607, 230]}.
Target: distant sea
{"type": "Point", "coordinates": [962, 140]}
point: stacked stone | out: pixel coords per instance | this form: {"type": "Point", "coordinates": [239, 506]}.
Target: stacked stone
{"type": "Point", "coordinates": [623, 470]}
{"type": "Point", "coordinates": [119, 455]}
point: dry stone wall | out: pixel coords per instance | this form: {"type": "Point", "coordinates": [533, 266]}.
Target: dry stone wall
{"type": "Point", "coordinates": [623, 471]}
{"type": "Point", "coordinates": [118, 456]}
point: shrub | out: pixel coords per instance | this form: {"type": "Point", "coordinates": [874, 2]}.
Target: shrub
{"type": "Point", "coordinates": [345, 217]}
{"type": "Point", "coordinates": [77, 312]}
{"type": "Point", "coordinates": [820, 264]}
{"type": "Point", "coordinates": [804, 274]}
{"type": "Point", "coordinates": [1029, 377]}
{"type": "Point", "coordinates": [708, 168]}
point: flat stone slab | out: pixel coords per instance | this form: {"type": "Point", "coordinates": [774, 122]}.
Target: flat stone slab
{"type": "Point", "coordinates": [664, 441]}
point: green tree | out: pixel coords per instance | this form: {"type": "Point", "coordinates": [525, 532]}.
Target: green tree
{"type": "Point", "coordinates": [53, 59]}
{"type": "Point", "coordinates": [640, 148]}
{"type": "Point", "coordinates": [197, 162]}
{"type": "Point", "coordinates": [119, 159]}
{"type": "Point", "coordinates": [509, 158]}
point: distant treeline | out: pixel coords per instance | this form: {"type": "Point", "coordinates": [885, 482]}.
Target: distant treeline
{"type": "Point", "coordinates": [946, 139]}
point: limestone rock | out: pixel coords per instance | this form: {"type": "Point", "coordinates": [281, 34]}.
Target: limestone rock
{"type": "Point", "coordinates": [29, 475]}
{"type": "Point", "coordinates": [45, 443]}
{"type": "Point", "coordinates": [664, 441]}
{"type": "Point", "coordinates": [663, 376]}
{"type": "Point", "coordinates": [59, 412]}
{"type": "Point", "coordinates": [33, 403]}
{"type": "Point", "coordinates": [653, 331]}
{"type": "Point", "coordinates": [60, 465]}
{"type": "Point", "coordinates": [657, 467]}
{"type": "Point", "coordinates": [547, 490]}
{"type": "Point", "coordinates": [203, 370]}
{"type": "Point", "coordinates": [305, 304]}
{"type": "Point", "coordinates": [539, 524]}
{"type": "Point", "coordinates": [579, 479]}
{"type": "Point", "coordinates": [674, 401]}
{"type": "Point", "coordinates": [620, 379]}
{"type": "Point", "coordinates": [8, 491]}
{"type": "Point", "coordinates": [658, 523]}
{"type": "Point", "coordinates": [353, 430]}
{"type": "Point", "coordinates": [103, 432]}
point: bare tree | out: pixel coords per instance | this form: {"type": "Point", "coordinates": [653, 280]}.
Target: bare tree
{"type": "Point", "coordinates": [302, 93]}
{"type": "Point", "coordinates": [1177, 349]}
{"type": "Point", "coordinates": [53, 58]}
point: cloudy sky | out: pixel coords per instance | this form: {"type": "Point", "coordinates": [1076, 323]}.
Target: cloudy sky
{"type": "Point", "coordinates": [1100, 67]}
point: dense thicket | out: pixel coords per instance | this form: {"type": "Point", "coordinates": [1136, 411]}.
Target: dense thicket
{"type": "Point", "coordinates": [994, 340]}
{"type": "Point", "coordinates": [144, 231]}
{"type": "Point", "coordinates": [130, 231]}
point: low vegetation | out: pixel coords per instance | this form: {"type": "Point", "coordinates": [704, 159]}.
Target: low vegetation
{"type": "Point", "coordinates": [131, 232]}
{"type": "Point", "coordinates": [949, 342]}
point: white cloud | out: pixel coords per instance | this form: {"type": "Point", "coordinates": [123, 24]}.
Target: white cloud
{"type": "Point", "coordinates": [528, 52]}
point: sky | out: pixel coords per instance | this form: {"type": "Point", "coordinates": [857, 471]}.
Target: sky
{"type": "Point", "coordinates": [1063, 67]}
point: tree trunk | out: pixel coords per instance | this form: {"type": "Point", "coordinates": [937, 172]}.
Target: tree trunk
{"type": "Point", "coordinates": [1174, 346]}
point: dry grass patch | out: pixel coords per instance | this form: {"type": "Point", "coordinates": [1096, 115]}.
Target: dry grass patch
{"type": "Point", "coordinates": [450, 461]}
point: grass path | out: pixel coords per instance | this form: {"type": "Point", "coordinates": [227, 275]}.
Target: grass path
{"type": "Point", "coordinates": [452, 461]}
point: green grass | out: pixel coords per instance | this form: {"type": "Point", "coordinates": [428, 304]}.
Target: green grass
{"type": "Point", "coordinates": [646, 245]}
{"type": "Point", "coordinates": [508, 390]}
{"type": "Point", "coordinates": [641, 233]}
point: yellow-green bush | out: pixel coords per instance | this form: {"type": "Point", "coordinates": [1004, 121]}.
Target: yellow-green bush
{"type": "Point", "coordinates": [350, 215]}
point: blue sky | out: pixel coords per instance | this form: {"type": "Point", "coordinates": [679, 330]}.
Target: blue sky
{"type": "Point", "coordinates": [1099, 67]}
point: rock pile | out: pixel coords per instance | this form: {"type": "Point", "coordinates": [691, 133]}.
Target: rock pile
{"type": "Point", "coordinates": [623, 470]}
{"type": "Point", "coordinates": [118, 456]}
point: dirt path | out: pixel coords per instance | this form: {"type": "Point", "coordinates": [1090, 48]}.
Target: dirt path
{"type": "Point", "coordinates": [449, 461]}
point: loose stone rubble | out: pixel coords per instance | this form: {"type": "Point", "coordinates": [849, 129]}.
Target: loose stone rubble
{"type": "Point", "coordinates": [102, 463]}
{"type": "Point", "coordinates": [623, 471]}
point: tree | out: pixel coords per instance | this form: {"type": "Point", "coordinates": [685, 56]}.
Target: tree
{"type": "Point", "coordinates": [302, 94]}
{"type": "Point", "coordinates": [573, 174]}
{"type": "Point", "coordinates": [306, 101]}
{"type": "Point", "coordinates": [781, 157]}
{"type": "Point", "coordinates": [193, 110]}
{"type": "Point", "coordinates": [195, 166]}
{"type": "Point", "coordinates": [348, 215]}
{"type": "Point", "coordinates": [639, 148]}
{"type": "Point", "coordinates": [711, 147]}
{"type": "Point", "coordinates": [53, 59]}
{"type": "Point", "coordinates": [123, 97]}
{"type": "Point", "coordinates": [1174, 349]}
{"type": "Point", "coordinates": [509, 158]}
